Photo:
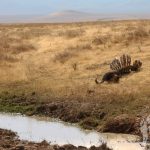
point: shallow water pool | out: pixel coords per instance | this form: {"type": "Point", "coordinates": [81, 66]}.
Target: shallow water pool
{"type": "Point", "coordinates": [55, 131]}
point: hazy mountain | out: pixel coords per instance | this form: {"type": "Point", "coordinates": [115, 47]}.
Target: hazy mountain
{"type": "Point", "coordinates": [68, 16]}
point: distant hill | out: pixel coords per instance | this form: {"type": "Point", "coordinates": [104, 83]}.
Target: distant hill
{"type": "Point", "coordinates": [68, 16]}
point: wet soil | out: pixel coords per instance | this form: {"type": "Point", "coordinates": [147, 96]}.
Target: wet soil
{"type": "Point", "coordinates": [10, 141]}
{"type": "Point", "coordinates": [90, 114]}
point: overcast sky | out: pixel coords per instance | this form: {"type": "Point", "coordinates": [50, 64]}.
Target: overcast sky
{"type": "Point", "coordinates": [31, 7]}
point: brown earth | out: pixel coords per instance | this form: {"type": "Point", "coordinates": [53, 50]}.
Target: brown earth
{"type": "Point", "coordinates": [88, 114]}
{"type": "Point", "coordinates": [10, 141]}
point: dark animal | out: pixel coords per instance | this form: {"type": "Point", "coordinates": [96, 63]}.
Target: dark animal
{"type": "Point", "coordinates": [109, 77]}
{"type": "Point", "coordinates": [137, 64]}
{"type": "Point", "coordinates": [120, 67]}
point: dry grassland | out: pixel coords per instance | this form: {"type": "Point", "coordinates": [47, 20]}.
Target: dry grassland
{"type": "Point", "coordinates": [62, 60]}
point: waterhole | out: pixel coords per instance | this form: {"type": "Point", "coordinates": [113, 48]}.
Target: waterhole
{"type": "Point", "coordinates": [54, 131]}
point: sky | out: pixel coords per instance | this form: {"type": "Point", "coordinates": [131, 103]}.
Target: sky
{"type": "Point", "coordinates": [40, 7]}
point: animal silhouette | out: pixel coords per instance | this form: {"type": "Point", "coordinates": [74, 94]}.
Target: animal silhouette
{"type": "Point", "coordinates": [120, 67]}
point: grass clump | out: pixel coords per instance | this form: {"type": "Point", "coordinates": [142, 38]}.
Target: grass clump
{"type": "Point", "coordinates": [8, 58]}
{"type": "Point", "coordinates": [101, 40]}
{"type": "Point", "coordinates": [64, 56]}
{"type": "Point", "coordinates": [72, 33]}
{"type": "Point", "coordinates": [89, 123]}
{"type": "Point", "coordinates": [22, 47]}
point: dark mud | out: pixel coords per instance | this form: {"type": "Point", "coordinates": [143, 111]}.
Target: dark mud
{"type": "Point", "coordinates": [10, 141]}
{"type": "Point", "coordinates": [90, 114]}
{"type": "Point", "coordinates": [90, 117]}
{"type": "Point", "coordinates": [123, 124]}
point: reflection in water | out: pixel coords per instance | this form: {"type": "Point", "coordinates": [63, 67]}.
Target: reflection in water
{"type": "Point", "coordinates": [56, 132]}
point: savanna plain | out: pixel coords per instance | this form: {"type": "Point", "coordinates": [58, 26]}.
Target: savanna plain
{"type": "Point", "coordinates": [50, 70]}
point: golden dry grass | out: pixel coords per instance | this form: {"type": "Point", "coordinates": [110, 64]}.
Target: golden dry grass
{"type": "Point", "coordinates": [64, 59]}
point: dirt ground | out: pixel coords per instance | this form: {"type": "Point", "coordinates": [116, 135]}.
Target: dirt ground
{"type": "Point", "coordinates": [9, 141]}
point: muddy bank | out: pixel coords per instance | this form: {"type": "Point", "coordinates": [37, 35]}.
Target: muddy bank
{"type": "Point", "coordinates": [9, 141]}
{"type": "Point", "coordinates": [90, 117]}
{"type": "Point", "coordinates": [89, 113]}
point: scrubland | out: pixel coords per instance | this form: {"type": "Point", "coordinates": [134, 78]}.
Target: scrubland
{"type": "Point", "coordinates": [49, 69]}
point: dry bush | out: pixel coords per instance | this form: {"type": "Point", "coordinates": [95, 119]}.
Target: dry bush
{"type": "Point", "coordinates": [79, 48]}
{"type": "Point", "coordinates": [25, 35]}
{"type": "Point", "coordinates": [6, 41]}
{"type": "Point", "coordinates": [22, 47]}
{"type": "Point", "coordinates": [72, 33]}
{"type": "Point", "coordinates": [64, 56]}
{"type": "Point", "coordinates": [84, 47]}
{"type": "Point", "coordinates": [74, 66]}
{"type": "Point", "coordinates": [130, 28]}
{"type": "Point", "coordinates": [93, 67]}
{"type": "Point", "coordinates": [103, 39]}
{"type": "Point", "coordinates": [14, 46]}
{"type": "Point", "coordinates": [127, 35]}
{"type": "Point", "coordinates": [8, 58]}
{"type": "Point", "coordinates": [131, 35]}
{"type": "Point", "coordinates": [97, 66]}
{"type": "Point", "coordinates": [37, 32]}
{"type": "Point", "coordinates": [137, 34]}
{"type": "Point", "coordinates": [71, 52]}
